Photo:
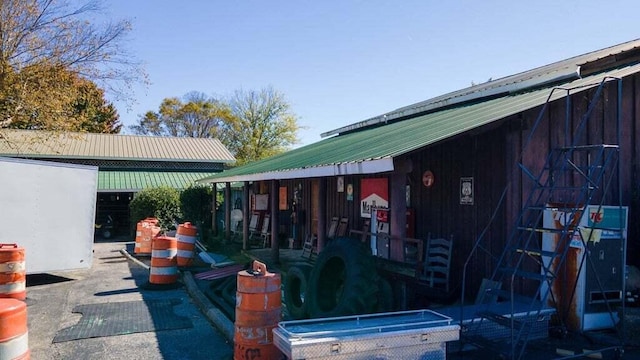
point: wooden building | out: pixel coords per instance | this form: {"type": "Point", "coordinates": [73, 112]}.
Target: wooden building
{"type": "Point", "coordinates": [450, 165]}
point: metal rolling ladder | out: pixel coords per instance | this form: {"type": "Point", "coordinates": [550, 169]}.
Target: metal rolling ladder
{"type": "Point", "coordinates": [572, 177]}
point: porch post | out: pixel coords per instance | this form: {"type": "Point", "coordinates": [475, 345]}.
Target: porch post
{"type": "Point", "coordinates": [322, 213]}
{"type": "Point", "coordinates": [214, 214]}
{"type": "Point", "coordinates": [398, 208]}
{"type": "Point", "coordinates": [245, 216]}
{"type": "Point", "coordinates": [227, 210]}
{"type": "Point", "coordinates": [275, 223]}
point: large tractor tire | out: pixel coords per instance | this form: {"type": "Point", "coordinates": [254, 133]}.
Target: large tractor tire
{"type": "Point", "coordinates": [343, 281]}
{"type": "Point", "coordinates": [295, 289]}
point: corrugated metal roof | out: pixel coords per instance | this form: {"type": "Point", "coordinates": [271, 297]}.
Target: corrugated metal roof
{"type": "Point", "coordinates": [40, 144]}
{"type": "Point", "coordinates": [349, 153]}
{"type": "Point", "coordinates": [134, 181]}
{"type": "Point", "coordinates": [560, 71]}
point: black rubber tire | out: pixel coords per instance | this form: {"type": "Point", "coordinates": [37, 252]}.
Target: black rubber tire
{"type": "Point", "coordinates": [385, 296]}
{"type": "Point", "coordinates": [343, 281]}
{"type": "Point", "coordinates": [295, 289]}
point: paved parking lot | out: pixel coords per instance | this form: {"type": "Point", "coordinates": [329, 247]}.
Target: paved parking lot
{"type": "Point", "coordinates": [51, 299]}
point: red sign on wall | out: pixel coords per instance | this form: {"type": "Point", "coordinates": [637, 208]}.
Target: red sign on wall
{"type": "Point", "coordinates": [374, 193]}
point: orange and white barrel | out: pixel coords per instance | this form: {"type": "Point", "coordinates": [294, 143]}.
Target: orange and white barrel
{"type": "Point", "coordinates": [186, 235]}
{"type": "Point", "coordinates": [146, 230]}
{"type": "Point", "coordinates": [13, 276]}
{"type": "Point", "coordinates": [14, 336]}
{"type": "Point", "coordinates": [258, 310]}
{"type": "Point", "coordinates": [164, 266]}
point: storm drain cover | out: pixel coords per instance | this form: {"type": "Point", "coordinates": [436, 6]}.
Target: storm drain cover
{"type": "Point", "coordinates": [120, 318]}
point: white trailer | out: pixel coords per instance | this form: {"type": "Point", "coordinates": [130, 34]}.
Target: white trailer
{"type": "Point", "coordinates": [48, 209]}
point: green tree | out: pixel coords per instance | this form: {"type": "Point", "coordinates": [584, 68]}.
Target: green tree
{"type": "Point", "coordinates": [46, 48]}
{"type": "Point", "coordinates": [262, 125]}
{"type": "Point", "coordinates": [197, 116]}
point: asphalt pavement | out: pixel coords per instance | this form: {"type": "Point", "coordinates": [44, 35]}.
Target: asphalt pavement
{"type": "Point", "coordinates": [113, 277]}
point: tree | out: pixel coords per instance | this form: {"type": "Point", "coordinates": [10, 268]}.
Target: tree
{"type": "Point", "coordinates": [69, 102]}
{"type": "Point", "coordinates": [46, 45]}
{"type": "Point", "coordinates": [252, 124]}
{"type": "Point", "coordinates": [262, 125]}
{"type": "Point", "coordinates": [198, 116]}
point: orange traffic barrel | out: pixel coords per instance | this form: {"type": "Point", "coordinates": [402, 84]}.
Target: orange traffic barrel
{"type": "Point", "coordinates": [146, 230]}
{"type": "Point", "coordinates": [164, 267]}
{"type": "Point", "coordinates": [14, 336]}
{"type": "Point", "coordinates": [12, 272]}
{"type": "Point", "coordinates": [186, 235]}
{"type": "Point", "coordinates": [258, 309]}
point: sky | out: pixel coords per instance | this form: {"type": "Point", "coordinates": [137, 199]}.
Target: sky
{"type": "Point", "coordinates": [341, 62]}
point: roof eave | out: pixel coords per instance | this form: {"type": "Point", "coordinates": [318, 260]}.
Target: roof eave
{"type": "Point", "coordinates": [353, 168]}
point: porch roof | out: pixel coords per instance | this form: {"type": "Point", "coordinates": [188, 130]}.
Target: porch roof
{"type": "Point", "coordinates": [371, 150]}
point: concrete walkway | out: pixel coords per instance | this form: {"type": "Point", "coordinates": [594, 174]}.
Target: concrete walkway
{"type": "Point", "coordinates": [114, 278]}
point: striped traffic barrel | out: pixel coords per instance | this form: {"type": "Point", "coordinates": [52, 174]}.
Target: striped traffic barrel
{"type": "Point", "coordinates": [186, 235]}
{"type": "Point", "coordinates": [146, 230]}
{"type": "Point", "coordinates": [12, 272]}
{"type": "Point", "coordinates": [258, 309]}
{"type": "Point", "coordinates": [164, 267]}
{"type": "Point", "coordinates": [14, 336]}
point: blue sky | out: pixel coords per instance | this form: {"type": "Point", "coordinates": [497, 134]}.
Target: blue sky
{"type": "Point", "coordinates": [340, 62]}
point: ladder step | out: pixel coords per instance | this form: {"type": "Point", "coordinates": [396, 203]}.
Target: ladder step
{"type": "Point", "coordinates": [587, 147]}
{"type": "Point", "coordinates": [538, 252]}
{"type": "Point", "coordinates": [526, 274]}
{"type": "Point", "coordinates": [545, 230]}
{"type": "Point", "coordinates": [501, 319]}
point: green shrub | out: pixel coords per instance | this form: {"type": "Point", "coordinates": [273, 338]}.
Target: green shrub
{"type": "Point", "coordinates": [162, 203]}
{"type": "Point", "coordinates": [195, 203]}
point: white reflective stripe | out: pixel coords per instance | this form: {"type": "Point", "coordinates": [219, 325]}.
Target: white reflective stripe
{"type": "Point", "coordinates": [169, 270]}
{"type": "Point", "coordinates": [138, 233]}
{"type": "Point", "coordinates": [11, 288]}
{"type": "Point", "coordinates": [164, 253]}
{"type": "Point", "coordinates": [138, 245]}
{"type": "Point", "coordinates": [12, 266]}
{"type": "Point", "coordinates": [185, 253]}
{"type": "Point", "coordinates": [15, 347]}
{"type": "Point", "coordinates": [186, 239]}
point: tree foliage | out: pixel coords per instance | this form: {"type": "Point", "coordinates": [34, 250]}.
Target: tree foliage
{"type": "Point", "coordinates": [53, 62]}
{"type": "Point", "coordinates": [197, 116]}
{"type": "Point", "coordinates": [52, 98]}
{"type": "Point", "coordinates": [161, 202]}
{"type": "Point", "coordinates": [262, 125]}
{"type": "Point", "coordinates": [252, 124]}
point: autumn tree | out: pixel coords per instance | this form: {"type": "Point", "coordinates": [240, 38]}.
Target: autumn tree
{"type": "Point", "coordinates": [196, 115]}
{"type": "Point", "coordinates": [70, 102]}
{"type": "Point", "coordinates": [252, 124]}
{"type": "Point", "coordinates": [262, 125]}
{"type": "Point", "coordinates": [52, 56]}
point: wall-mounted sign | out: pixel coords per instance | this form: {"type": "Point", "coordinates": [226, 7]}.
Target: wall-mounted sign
{"type": "Point", "coordinates": [466, 191]}
{"type": "Point", "coordinates": [340, 183]}
{"type": "Point", "coordinates": [282, 198]}
{"type": "Point", "coordinates": [374, 193]}
{"type": "Point", "coordinates": [428, 179]}
{"type": "Point", "coordinates": [349, 192]}
{"type": "Point", "coordinates": [262, 202]}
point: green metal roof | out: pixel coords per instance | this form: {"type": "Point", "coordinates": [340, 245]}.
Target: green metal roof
{"type": "Point", "coordinates": [134, 181]}
{"type": "Point", "coordinates": [372, 149]}
{"type": "Point", "coordinates": [42, 145]}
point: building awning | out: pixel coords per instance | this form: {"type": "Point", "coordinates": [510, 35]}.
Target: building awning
{"type": "Point", "coordinates": [372, 150]}
{"type": "Point", "coordinates": [134, 181]}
